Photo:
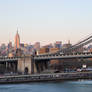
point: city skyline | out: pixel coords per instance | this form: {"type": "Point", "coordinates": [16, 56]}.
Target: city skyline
{"type": "Point", "coordinates": [45, 21]}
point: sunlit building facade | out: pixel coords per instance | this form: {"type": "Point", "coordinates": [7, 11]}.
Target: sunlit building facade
{"type": "Point", "coordinates": [17, 41]}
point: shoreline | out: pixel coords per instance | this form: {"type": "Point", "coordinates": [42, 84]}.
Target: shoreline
{"type": "Point", "coordinates": [45, 77]}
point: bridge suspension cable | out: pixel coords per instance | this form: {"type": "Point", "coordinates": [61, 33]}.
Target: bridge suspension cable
{"type": "Point", "coordinates": [81, 43]}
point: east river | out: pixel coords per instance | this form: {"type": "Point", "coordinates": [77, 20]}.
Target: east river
{"type": "Point", "coordinates": [63, 86]}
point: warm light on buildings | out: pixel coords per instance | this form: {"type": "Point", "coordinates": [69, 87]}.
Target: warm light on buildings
{"type": "Point", "coordinates": [17, 41]}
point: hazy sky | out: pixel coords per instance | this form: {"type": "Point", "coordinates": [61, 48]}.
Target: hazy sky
{"type": "Point", "coordinates": [45, 20]}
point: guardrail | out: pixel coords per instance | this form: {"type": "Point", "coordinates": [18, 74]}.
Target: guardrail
{"type": "Point", "coordinates": [63, 56]}
{"type": "Point", "coordinates": [45, 77]}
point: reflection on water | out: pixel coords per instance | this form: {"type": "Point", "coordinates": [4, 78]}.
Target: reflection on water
{"type": "Point", "coordinates": [64, 86]}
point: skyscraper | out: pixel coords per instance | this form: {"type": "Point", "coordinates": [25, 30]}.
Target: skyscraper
{"type": "Point", "coordinates": [58, 44]}
{"type": "Point", "coordinates": [17, 41]}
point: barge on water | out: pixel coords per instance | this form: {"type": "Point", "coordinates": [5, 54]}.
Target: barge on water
{"type": "Point", "coordinates": [45, 77]}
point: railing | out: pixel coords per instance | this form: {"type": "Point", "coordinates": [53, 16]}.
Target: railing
{"type": "Point", "coordinates": [80, 54]}
{"type": "Point", "coordinates": [71, 55]}
{"type": "Point", "coordinates": [46, 77]}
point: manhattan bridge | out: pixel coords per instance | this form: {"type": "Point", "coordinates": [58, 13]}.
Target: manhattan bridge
{"type": "Point", "coordinates": [69, 58]}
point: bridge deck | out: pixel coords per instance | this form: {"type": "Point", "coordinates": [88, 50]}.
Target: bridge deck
{"type": "Point", "coordinates": [63, 56]}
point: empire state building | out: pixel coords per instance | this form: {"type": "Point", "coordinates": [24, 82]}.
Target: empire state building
{"type": "Point", "coordinates": [17, 41]}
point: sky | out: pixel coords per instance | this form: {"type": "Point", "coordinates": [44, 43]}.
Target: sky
{"type": "Point", "coordinates": [45, 21]}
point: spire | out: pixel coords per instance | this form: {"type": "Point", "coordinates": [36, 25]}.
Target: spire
{"type": "Point", "coordinates": [17, 40]}
{"type": "Point", "coordinates": [17, 30]}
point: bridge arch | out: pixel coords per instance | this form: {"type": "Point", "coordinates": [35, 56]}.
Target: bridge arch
{"type": "Point", "coordinates": [26, 70]}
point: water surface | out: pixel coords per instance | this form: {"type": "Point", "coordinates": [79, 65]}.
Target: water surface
{"type": "Point", "coordinates": [64, 86]}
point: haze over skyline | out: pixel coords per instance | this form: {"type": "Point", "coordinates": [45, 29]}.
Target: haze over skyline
{"type": "Point", "coordinates": [45, 21]}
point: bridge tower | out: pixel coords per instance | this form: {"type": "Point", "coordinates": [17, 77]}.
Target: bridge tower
{"type": "Point", "coordinates": [26, 65]}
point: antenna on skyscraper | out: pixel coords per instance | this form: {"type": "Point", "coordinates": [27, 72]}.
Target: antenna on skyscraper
{"type": "Point", "coordinates": [17, 29]}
